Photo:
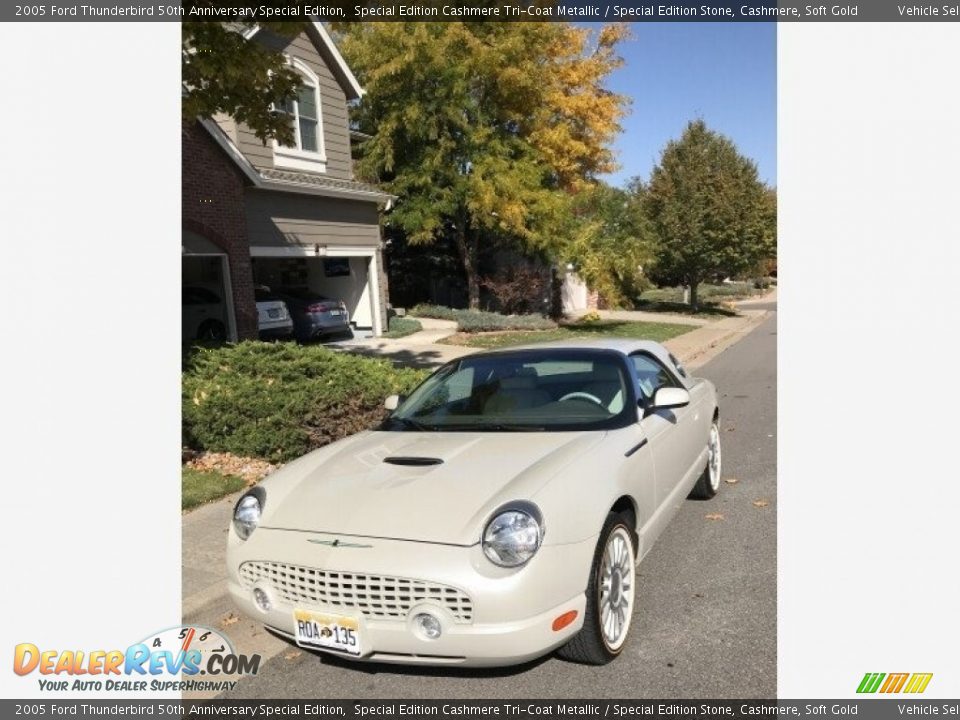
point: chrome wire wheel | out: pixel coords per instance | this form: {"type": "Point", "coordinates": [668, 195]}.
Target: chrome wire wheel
{"type": "Point", "coordinates": [616, 588]}
{"type": "Point", "coordinates": [713, 462]}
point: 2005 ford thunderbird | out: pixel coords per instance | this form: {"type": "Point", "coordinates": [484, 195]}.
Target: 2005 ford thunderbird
{"type": "Point", "coordinates": [497, 514]}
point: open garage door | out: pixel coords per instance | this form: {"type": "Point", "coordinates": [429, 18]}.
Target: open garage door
{"type": "Point", "coordinates": [207, 312]}
{"type": "Point", "coordinates": [336, 274]}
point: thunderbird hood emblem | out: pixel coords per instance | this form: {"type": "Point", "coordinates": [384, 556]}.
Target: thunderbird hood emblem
{"type": "Point", "coordinates": [338, 543]}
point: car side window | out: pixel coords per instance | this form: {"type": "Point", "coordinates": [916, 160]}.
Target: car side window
{"type": "Point", "coordinates": [651, 375]}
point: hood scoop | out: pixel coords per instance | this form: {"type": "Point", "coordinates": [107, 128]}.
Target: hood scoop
{"type": "Point", "coordinates": [411, 461]}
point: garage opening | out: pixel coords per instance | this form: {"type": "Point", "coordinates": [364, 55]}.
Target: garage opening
{"type": "Point", "coordinates": [343, 279]}
{"type": "Point", "coordinates": [206, 299]}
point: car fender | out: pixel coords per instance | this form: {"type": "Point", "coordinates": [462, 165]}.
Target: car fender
{"type": "Point", "coordinates": [576, 502]}
{"type": "Point", "coordinates": [529, 484]}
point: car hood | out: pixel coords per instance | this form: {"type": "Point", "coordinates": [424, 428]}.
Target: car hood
{"type": "Point", "coordinates": [351, 489]}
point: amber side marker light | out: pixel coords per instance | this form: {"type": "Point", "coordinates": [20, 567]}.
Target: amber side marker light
{"type": "Point", "coordinates": [561, 622]}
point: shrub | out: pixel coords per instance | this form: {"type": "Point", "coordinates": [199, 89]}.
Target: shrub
{"type": "Point", "coordinates": [731, 289]}
{"type": "Point", "coordinates": [435, 311]}
{"type": "Point", "coordinates": [280, 400]}
{"type": "Point", "coordinates": [589, 318]}
{"type": "Point", "coordinates": [402, 326]}
{"type": "Point", "coordinates": [519, 289]}
{"type": "Point", "coordinates": [484, 321]}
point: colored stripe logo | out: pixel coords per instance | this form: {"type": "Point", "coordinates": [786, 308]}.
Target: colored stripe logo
{"type": "Point", "coordinates": [894, 682]}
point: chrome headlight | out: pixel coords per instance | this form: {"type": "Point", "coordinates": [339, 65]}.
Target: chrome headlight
{"type": "Point", "coordinates": [246, 515]}
{"type": "Point", "coordinates": [513, 535]}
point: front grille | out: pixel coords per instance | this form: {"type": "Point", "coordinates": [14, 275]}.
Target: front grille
{"type": "Point", "coordinates": [377, 596]}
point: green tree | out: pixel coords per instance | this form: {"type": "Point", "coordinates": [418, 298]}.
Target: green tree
{"type": "Point", "coordinates": [483, 128]}
{"type": "Point", "coordinates": [612, 241]}
{"type": "Point", "coordinates": [224, 71]}
{"type": "Point", "coordinates": [712, 215]}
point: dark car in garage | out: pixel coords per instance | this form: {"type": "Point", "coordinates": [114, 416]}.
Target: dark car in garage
{"type": "Point", "coordinates": [203, 314]}
{"type": "Point", "coordinates": [315, 316]}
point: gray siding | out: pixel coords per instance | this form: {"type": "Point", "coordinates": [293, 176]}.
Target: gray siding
{"type": "Point", "coordinates": [333, 109]}
{"type": "Point", "coordinates": [279, 219]}
{"type": "Point", "coordinates": [228, 125]}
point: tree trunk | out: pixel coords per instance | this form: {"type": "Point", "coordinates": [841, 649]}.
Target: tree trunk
{"type": "Point", "coordinates": [556, 295]}
{"type": "Point", "coordinates": [468, 246]}
{"type": "Point", "coordinates": [694, 300]}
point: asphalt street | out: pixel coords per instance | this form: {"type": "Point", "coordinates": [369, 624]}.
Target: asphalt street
{"type": "Point", "coordinates": [705, 625]}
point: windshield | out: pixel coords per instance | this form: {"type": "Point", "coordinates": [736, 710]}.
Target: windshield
{"type": "Point", "coordinates": [523, 390]}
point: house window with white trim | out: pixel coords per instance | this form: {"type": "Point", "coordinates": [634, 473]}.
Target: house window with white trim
{"type": "Point", "coordinates": [307, 151]}
{"type": "Point", "coordinates": [304, 117]}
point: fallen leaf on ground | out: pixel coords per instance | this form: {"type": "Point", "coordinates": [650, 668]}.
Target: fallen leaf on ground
{"type": "Point", "coordinates": [731, 481]}
{"type": "Point", "coordinates": [293, 655]}
{"type": "Point", "coordinates": [250, 469]}
{"type": "Point", "coordinates": [714, 516]}
{"type": "Point", "coordinates": [229, 620]}
{"type": "Point", "coordinates": [730, 429]}
{"type": "Point", "coordinates": [760, 503]}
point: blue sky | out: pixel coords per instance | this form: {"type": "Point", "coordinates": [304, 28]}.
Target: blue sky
{"type": "Point", "coordinates": [725, 73]}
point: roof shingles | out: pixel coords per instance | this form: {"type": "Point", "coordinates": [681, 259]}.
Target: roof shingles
{"type": "Point", "coordinates": [320, 181]}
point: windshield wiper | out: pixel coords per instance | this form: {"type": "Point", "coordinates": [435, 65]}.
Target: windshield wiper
{"type": "Point", "coordinates": [515, 428]}
{"type": "Point", "coordinates": [412, 424]}
{"type": "Point", "coordinates": [491, 427]}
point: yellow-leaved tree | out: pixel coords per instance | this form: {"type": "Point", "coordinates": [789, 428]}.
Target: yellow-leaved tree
{"type": "Point", "coordinates": [484, 129]}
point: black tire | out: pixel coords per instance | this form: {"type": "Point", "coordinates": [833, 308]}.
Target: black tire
{"type": "Point", "coordinates": [705, 489]}
{"type": "Point", "coordinates": [212, 331]}
{"type": "Point", "coordinates": [589, 647]}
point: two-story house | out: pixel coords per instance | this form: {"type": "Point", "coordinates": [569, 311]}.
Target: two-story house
{"type": "Point", "coordinates": [267, 214]}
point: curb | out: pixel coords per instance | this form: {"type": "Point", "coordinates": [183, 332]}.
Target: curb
{"type": "Point", "coordinates": [702, 353]}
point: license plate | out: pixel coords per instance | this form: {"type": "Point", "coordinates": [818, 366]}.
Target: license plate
{"type": "Point", "coordinates": [330, 632]}
{"type": "Point", "coordinates": [336, 312]}
{"type": "Point", "coordinates": [273, 313]}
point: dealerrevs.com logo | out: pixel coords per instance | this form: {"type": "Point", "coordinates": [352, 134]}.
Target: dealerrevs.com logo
{"type": "Point", "coordinates": [894, 682]}
{"type": "Point", "coordinates": [168, 660]}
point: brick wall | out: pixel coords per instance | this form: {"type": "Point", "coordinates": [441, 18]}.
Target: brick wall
{"type": "Point", "coordinates": [212, 193]}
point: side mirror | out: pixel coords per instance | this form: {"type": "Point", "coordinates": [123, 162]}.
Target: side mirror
{"type": "Point", "coordinates": [670, 397]}
{"type": "Point", "coordinates": [392, 402]}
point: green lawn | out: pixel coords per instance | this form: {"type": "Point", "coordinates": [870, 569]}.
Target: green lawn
{"type": "Point", "coordinates": [602, 329]}
{"type": "Point", "coordinates": [198, 487]}
{"type": "Point", "coordinates": [402, 326]}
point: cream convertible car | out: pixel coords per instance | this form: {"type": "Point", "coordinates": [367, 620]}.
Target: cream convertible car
{"type": "Point", "coordinates": [497, 514]}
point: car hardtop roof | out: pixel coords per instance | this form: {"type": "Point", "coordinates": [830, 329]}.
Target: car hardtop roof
{"type": "Point", "coordinates": [622, 346]}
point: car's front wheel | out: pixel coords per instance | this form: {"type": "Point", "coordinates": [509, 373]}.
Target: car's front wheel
{"type": "Point", "coordinates": [610, 596]}
{"type": "Point", "coordinates": [709, 482]}
{"type": "Point", "coordinates": [212, 331]}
